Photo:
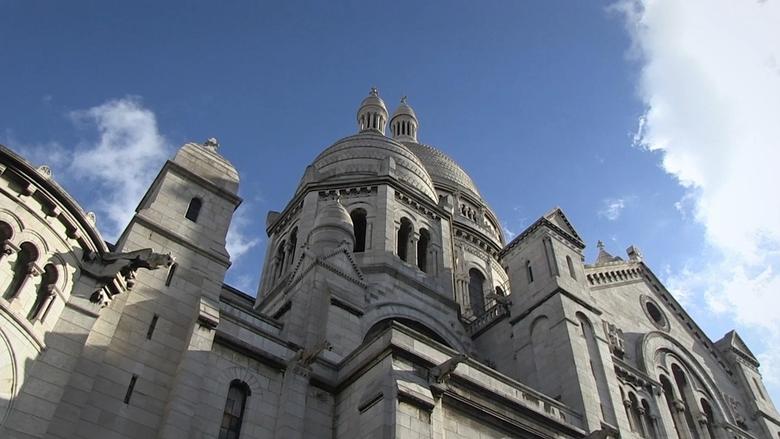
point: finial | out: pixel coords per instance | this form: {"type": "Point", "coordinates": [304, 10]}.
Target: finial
{"type": "Point", "coordinates": [212, 143]}
{"type": "Point", "coordinates": [374, 92]}
{"type": "Point", "coordinates": [600, 245]}
{"type": "Point", "coordinates": [403, 100]}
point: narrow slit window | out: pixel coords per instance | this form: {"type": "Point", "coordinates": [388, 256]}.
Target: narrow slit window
{"type": "Point", "coordinates": [193, 210]}
{"type": "Point", "coordinates": [530, 271]}
{"type": "Point", "coordinates": [130, 388]}
{"type": "Point", "coordinates": [171, 273]}
{"type": "Point", "coordinates": [571, 267]}
{"type": "Point", "coordinates": [152, 325]}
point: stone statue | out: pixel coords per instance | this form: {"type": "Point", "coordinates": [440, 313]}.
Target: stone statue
{"type": "Point", "coordinates": [104, 267]}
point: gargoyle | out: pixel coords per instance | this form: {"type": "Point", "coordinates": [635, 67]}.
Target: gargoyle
{"type": "Point", "coordinates": [104, 267]}
{"type": "Point", "coordinates": [442, 372]}
{"type": "Point", "coordinates": [305, 357]}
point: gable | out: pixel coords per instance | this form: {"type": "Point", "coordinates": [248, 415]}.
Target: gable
{"type": "Point", "coordinates": [557, 217]}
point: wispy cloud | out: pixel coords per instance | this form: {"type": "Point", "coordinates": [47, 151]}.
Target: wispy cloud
{"type": "Point", "coordinates": [712, 104]}
{"type": "Point", "coordinates": [612, 208]}
{"type": "Point", "coordinates": [122, 161]}
{"type": "Point", "coordinates": [238, 242]}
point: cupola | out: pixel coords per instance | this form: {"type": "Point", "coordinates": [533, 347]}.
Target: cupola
{"type": "Point", "coordinates": [372, 114]}
{"type": "Point", "coordinates": [404, 123]}
{"type": "Point", "coordinates": [332, 227]}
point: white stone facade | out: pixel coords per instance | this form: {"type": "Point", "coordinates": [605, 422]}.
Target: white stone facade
{"type": "Point", "coordinates": [390, 306]}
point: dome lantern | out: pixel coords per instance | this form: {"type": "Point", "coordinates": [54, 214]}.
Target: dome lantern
{"type": "Point", "coordinates": [404, 123]}
{"type": "Point", "coordinates": [372, 114]}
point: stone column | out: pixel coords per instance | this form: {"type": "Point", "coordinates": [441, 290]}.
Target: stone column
{"type": "Point", "coordinates": [31, 272]}
{"type": "Point", "coordinates": [44, 308]}
{"type": "Point", "coordinates": [679, 419]}
{"type": "Point", "coordinates": [411, 248]}
{"type": "Point", "coordinates": [643, 421]}
{"type": "Point", "coordinates": [704, 432]}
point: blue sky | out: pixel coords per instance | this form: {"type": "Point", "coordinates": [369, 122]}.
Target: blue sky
{"type": "Point", "coordinates": [622, 113]}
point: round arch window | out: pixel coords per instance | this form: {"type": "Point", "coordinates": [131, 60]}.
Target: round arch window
{"type": "Point", "coordinates": [654, 313]}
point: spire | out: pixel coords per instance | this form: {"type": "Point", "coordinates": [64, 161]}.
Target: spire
{"type": "Point", "coordinates": [372, 114]}
{"type": "Point", "coordinates": [404, 123]}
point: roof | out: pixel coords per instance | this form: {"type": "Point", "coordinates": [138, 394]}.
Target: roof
{"type": "Point", "coordinates": [442, 168]}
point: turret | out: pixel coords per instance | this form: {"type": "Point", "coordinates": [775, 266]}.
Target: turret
{"type": "Point", "coordinates": [372, 114]}
{"type": "Point", "coordinates": [404, 123]}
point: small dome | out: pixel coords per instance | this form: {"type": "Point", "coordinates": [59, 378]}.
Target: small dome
{"type": "Point", "coordinates": [404, 123]}
{"type": "Point", "coordinates": [205, 161]}
{"type": "Point", "coordinates": [332, 227]}
{"type": "Point", "coordinates": [369, 155]}
{"type": "Point", "coordinates": [372, 114]}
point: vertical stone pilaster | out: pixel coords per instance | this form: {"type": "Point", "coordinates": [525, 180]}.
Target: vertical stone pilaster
{"type": "Point", "coordinates": [292, 404]}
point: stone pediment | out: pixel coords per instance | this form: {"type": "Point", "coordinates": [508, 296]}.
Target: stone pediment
{"type": "Point", "coordinates": [340, 261]}
{"type": "Point", "coordinates": [732, 341]}
{"type": "Point", "coordinates": [557, 217]}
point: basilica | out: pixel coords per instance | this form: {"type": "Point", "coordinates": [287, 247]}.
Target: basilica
{"type": "Point", "coordinates": [390, 306]}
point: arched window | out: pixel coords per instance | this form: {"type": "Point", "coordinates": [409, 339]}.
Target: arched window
{"type": "Point", "coordinates": [360, 225]}
{"type": "Point", "coordinates": [234, 410]}
{"type": "Point", "coordinates": [6, 233]}
{"type": "Point", "coordinates": [45, 293]}
{"type": "Point", "coordinates": [404, 232]}
{"type": "Point", "coordinates": [279, 263]}
{"type": "Point", "coordinates": [636, 417]}
{"type": "Point", "coordinates": [500, 291]}
{"type": "Point", "coordinates": [649, 421]}
{"type": "Point", "coordinates": [669, 394]}
{"type": "Point", "coordinates": [422, 250]}
{"type": "Point", "coordinates": [292, 246]}
{"type": "Point", "coordinates": [476, 294]}
{"type": "Point", "coordinates": [571, 267]}
{"type": "Point", "coordinates": [26, 256]}
{"type": "Point", "coordinates": [530, 271]}
{"type": "Point", "coordinates": [193, 210]}
{"type": "Point", "coordinates": [707, 409]}
{"type": "Point", "coordinates": [684, 390]}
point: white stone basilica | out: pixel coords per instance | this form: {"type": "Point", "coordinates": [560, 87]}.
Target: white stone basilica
{"type": "Point", "coordinates": [390, 306]}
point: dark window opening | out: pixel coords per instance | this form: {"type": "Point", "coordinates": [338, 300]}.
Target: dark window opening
{"type": "Point", "coordinates": [360, 225]}
{"type": "Point", "coordinates": [292, 246]}
{"type": "Point", "coordinates": [130, 388]}
{"type": "Point", "coordinates": [26, 256]}
{"type": "Point", "coordinates": [404, 232]}
{"type": "Point", "coordinates": [152, 325]}
{"type": "Point", "coordinates": [530, 271]}
{"type": "Point", "coordinates": [476, 292]}
{"type": "Point", "coordinates": [422, 250]}
{"type": "Point", "coordinates": [193, 210]}
{"type": "Point", "coordinates": [45, 293]}
{"type": "Point", "coordinates": [655, 313]}
{"type": "Point", "coordinates": [171, 273]}
{"type": "Point", "coordinates": [233, 414]}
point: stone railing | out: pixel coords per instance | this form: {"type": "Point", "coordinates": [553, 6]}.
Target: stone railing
{"type": "Point", "coordinates": [494, 313]}
{"type": "Point", "coordinates": [613, 275]}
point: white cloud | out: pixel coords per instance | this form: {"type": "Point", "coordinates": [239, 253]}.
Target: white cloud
{"type": "Point", "coordinates": [122, 161]}
{"type": "Point", "coordinates": [237, 241]}
{"type": "Point", "coordinates": [711, 85]}
{"type": "Point", "coordinates": [612, 208]}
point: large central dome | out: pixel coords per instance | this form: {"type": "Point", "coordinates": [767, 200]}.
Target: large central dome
{"type": "Point", "coordinates": [443, 170]}
{"type": "Point", "coordinates": [369, 154]}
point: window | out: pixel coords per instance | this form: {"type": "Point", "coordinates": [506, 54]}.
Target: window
{"type": "Point", "coordinates": [707, 409]}
{"type": "Point", "coordinates": [476, 294]}
{"type": "Point", "coordinates": [171, 273]}
{"type": "Point", "coordinates": [359, 224]}
{"type": "Point", "coordinates": [404, 232]}
{"type": "Point", "coordinates": [193, 210]}
{"type": "Point", "coordinates": [26, 256]}
{"type": "Point", "coordinates": [280, 259]}
{"type": "Point", "coordinates": [291, 247]}
{"type": "Point", "coordinates": [685, 396]}
{"type": "Point", "coordinates": [530, 271]}
{"type": "Point", "coordinates": [152, 325]}
{"type": "Point", "coordinates": [234, 410]}
{"type": "Point", "coordinates": [669, 396]}
{"type": "Point", "coordinates": [45, 293]}
{"type": "Point", "coordinates": [571, 267]}
{"type": "Point", "coordinates": [422, 250]}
